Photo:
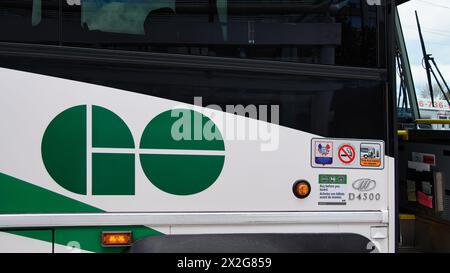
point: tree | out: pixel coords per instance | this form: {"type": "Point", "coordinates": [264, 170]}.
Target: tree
{"type": "Point", "coordinates": [437, 93]}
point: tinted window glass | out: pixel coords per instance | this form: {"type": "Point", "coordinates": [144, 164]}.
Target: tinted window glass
{"type": "Point", "coordinates": [326, 106]}
{"type": "Point", "coordinates": [35, 21]}
{"type": "Point", "coordinates": [342, 32]}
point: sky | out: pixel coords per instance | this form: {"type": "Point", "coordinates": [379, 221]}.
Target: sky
{"type": "Point", "coordinates": [434, 18]}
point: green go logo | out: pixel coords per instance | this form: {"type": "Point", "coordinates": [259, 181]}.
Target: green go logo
{"type": "Point", "coordinates": [91, 151]}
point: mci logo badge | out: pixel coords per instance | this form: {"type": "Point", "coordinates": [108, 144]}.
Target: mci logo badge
{"type": "Point", "coordinates": [100, 149]}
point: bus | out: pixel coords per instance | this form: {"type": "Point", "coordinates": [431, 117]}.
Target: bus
{"type": "Point", "coordinates": [197, 126]}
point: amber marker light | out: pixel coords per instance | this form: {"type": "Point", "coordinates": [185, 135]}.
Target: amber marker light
{"type": "Point", "coordinates": [301, 189]}
{"type": "Point", "coordinates": [116, 238]}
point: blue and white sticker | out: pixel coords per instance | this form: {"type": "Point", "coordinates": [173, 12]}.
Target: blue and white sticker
{"type": "Point", "coordinates": [323, 152]}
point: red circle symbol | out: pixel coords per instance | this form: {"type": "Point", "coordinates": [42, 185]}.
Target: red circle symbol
{"type": "Point", "coordinates": [346, 154]}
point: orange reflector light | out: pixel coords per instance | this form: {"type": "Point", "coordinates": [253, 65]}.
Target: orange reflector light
{"type": "Point", "coordinates": [116, 238]}
{"type": "Point", "coordinates": [301, 189]}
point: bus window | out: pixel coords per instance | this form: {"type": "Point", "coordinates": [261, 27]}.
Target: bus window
{"type": "Point", "coordinates": [335, 32]}
{"type": "Point", "coordinates": [36, 15]}
{"type": "Point", "coordinates": [32, 21]}
{"type": "Point", "coordinates": [121, 16]}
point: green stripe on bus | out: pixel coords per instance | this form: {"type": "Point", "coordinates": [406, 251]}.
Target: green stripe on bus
{"type": "Point", "coordinates": [89, 238]}
{"type": "Point", "coordinates": [42, 235]}
{"type": "Point", "coordinates": [17, 196]}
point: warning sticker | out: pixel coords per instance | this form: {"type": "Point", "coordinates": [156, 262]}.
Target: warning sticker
{"type": "Point", "coordinates": [370, 155]}
{"type": "Point", "coordinates": [346, 154]}
{"type": "Point", "coordinates": [332, 189]}
{"type": "Point", "coordinates": [323, 152]}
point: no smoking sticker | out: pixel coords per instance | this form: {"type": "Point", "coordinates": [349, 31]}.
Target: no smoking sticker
{"type": "Point", "coordinates": [346, 154]}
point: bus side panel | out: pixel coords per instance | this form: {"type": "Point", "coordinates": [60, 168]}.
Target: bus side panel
{"type": "Point", "coordinates": [56, 143]}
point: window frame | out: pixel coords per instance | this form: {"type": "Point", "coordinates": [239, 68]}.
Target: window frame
{"type": "Point", "coordinates": [106, 56]}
